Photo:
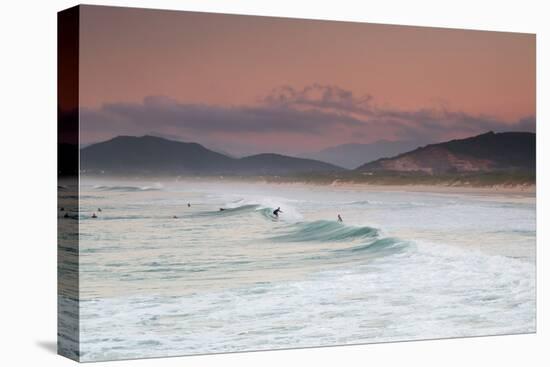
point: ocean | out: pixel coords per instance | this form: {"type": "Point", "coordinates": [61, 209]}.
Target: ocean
{"type": "Point", "coordinates": [161, 278]}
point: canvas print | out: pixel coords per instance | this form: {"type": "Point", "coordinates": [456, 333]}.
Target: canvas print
{"type": "Point", "coordinates": [235, 183]}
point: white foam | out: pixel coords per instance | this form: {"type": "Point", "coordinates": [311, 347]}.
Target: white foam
{"type": "Point", "coordinates": [289, 212]}
{"type": "Point", "coordinates": [204, 284]}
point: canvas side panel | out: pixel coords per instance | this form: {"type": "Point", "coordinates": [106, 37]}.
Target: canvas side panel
{"type": "Point", "coordinates": [67, 187]}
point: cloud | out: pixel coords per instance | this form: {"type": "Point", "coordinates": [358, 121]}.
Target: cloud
{"type": "Point", "coordinates": [315, 114]}
{"type": "Point", "coordinates": [323, 97]}
{"type": "Point", "coordinates": [162, 111]}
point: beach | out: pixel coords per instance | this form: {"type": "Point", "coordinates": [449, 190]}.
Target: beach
{"type": "Point", "coordinates": [164, 272]}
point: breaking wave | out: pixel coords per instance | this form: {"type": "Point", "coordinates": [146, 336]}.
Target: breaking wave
{"type": "Point", "coordinates": [155, 187]}
{"type": "Point", "coordinates": [325, 231]}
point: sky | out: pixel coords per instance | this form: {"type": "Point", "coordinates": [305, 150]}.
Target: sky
{"type": "Point", "coordinates": [246, 84]}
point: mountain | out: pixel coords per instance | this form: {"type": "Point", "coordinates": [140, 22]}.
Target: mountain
{"type": "Point", "coordinates": [155, 155]}
{"type": "Point", "coordinates": [353, 155]}
{"type": "Point", "coordinates": [150, 154]}
{"type": "Point", "coordinates": [269, 163]}
{"type": "Point", "coordinates": [490, 152]}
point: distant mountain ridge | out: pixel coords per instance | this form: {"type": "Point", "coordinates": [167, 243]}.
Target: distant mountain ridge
{"type": "Point", "coordinates": [155, 155]}
{"type": "Point", "coordinates": [355, 154]}
{"type": "Point", "coordinates": [489, 152]}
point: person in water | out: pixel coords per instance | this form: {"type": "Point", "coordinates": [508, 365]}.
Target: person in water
{"type": "Point", "coordinates": [340, 218]}
{"type": "Point", "coordinates": [175, 217]}
{"type": "Point", "coordinates": [94, 216]}
{"type": "Point", "coordinates": [188, 205]}
{"type": "Point", "coordinates": [277, 211]}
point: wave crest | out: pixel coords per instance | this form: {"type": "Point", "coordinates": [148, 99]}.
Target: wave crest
{"type": "Point", "coordinates": [325, 231]}
{"type": "Point", "coordinates": [127, 188]}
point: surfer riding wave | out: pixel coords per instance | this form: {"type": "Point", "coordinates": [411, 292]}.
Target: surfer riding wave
{"type": "Point", "coordinates": [277, 211]}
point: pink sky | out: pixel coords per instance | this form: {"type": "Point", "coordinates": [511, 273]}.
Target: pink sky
{"type": "Point", "coordinates": [147, 71]}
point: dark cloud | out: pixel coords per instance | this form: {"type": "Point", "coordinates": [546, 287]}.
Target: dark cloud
{"type": "Point", "coordinates": [161, 111]}
{"type": "Point", "coordinates": [163, 115]}
{"type": "Point", "coordinates": [314, 112]}
{"type": "Point", "coordinates": [323, 97]}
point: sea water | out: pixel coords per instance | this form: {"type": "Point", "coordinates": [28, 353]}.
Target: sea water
{"type": "Point", "coordinates": [160, 278]}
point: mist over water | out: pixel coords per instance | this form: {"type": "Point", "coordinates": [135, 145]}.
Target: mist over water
{"type": "Point", "coordinates": [402, 266]}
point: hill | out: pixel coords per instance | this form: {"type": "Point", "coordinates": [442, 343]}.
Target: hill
{"type": "Point", "coordinates": [269, 163]}
{"type": "Point", "coordinates": [490, 152]}
{"type": "Point", "coordinates": [353, 155]}
{"type": "Point", "coordinates": [154, 155]}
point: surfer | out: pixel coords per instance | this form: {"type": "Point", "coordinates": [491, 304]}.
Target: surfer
{"type": "Point", "coordinates": [277, 211]}
{"type": "Point", "coordinates": [222, 209]}
{"type": "Point", "coordinates": [66, 215]}
{"type": "Point", "coordinates": [94, 216]}
{"type": "Point", "coordinates": [340, 218]}
{"type": "Point", "coordinates": [175, 217]}
{"type": "Point", "coordinates": [99, 210]}
{"type": "Point", "coordinates": [188, 205]}
{"type": "Point", "coordinates": [62, 209]}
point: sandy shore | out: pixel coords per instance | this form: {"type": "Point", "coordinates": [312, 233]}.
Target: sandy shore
{"type": "Point", "coordinates": [497, 189]}
{"type": "Point", "coordinates": [520, 190]}
{"type": "Point", "coordinates": [526, 189]}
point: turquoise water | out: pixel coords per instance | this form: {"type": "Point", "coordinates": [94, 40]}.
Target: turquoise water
{"type": "Point", "coordinates": [401, 266]}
